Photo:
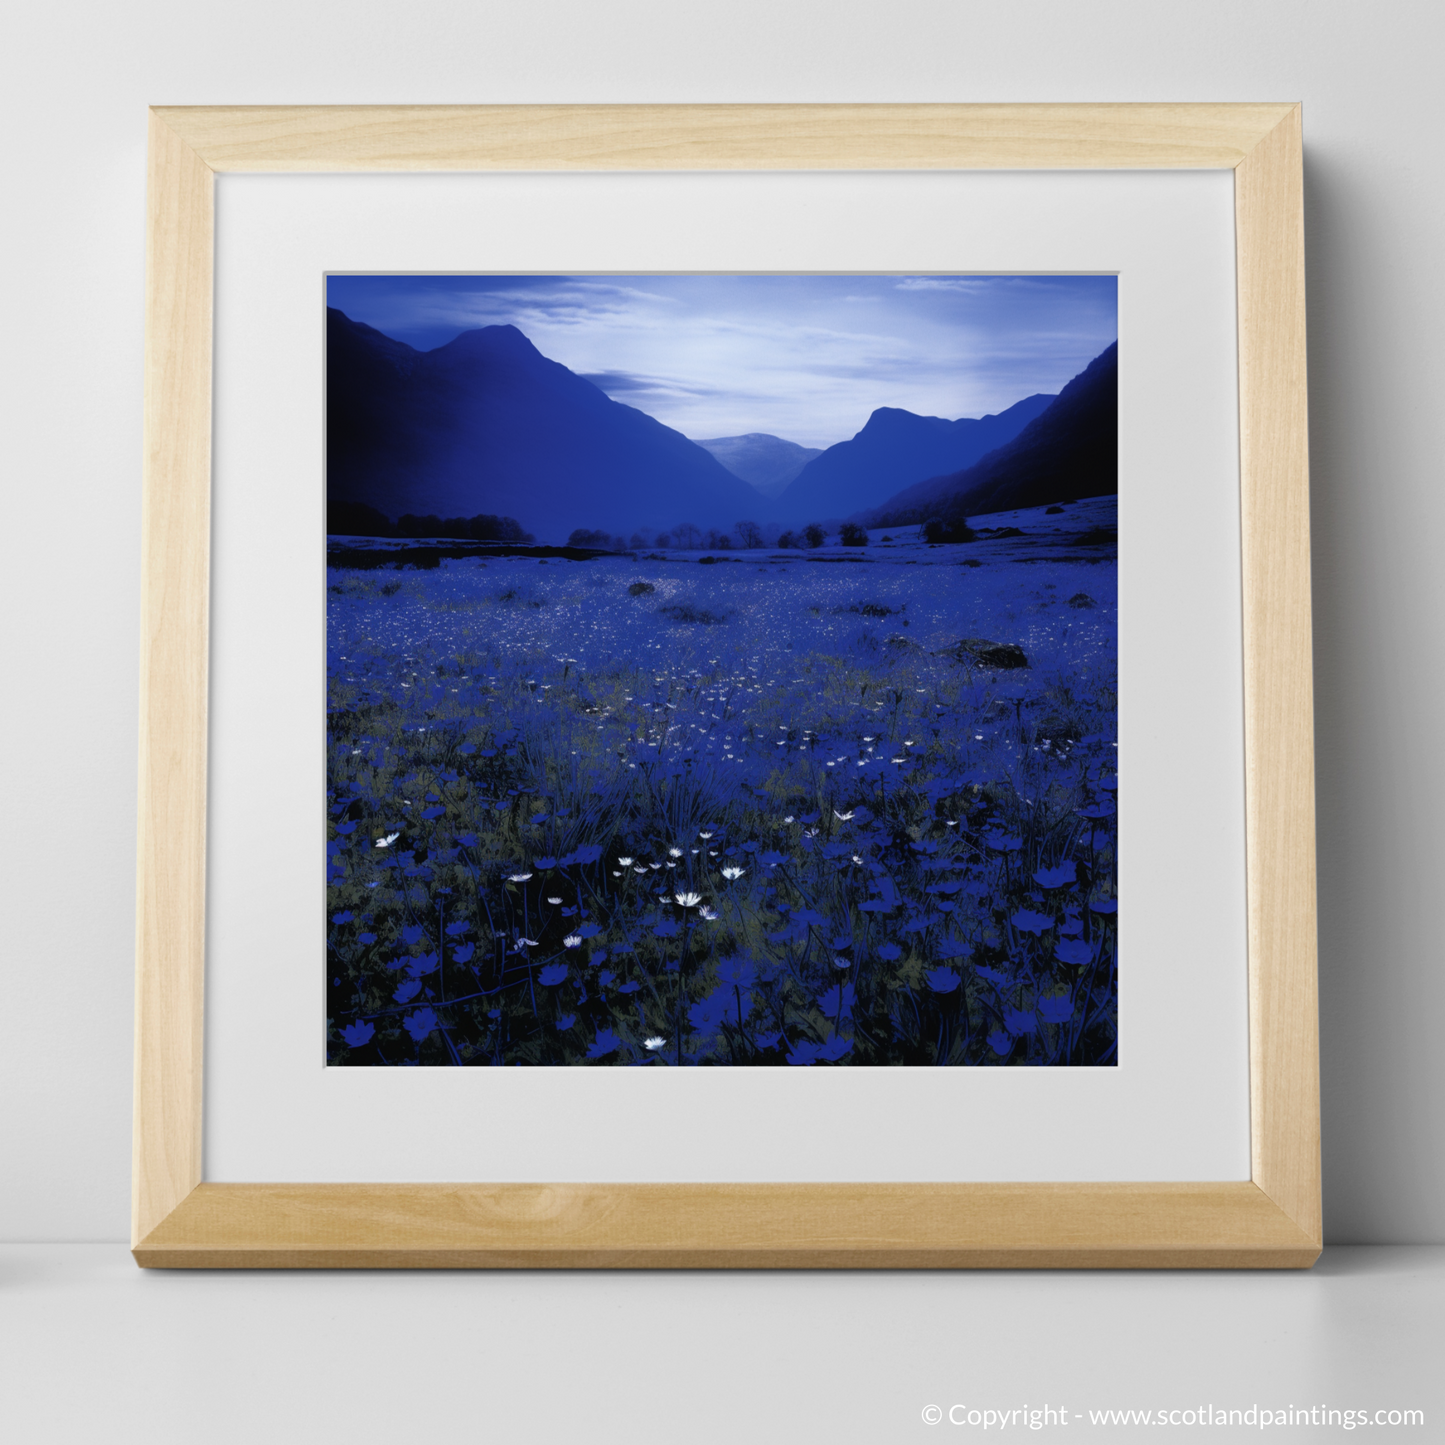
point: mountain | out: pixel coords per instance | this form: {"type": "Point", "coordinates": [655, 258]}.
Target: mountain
{"type": "Point", "coordinates": [487, 423]}
{"type": "Point", "coordinates": [1070, 451]}
{"type": "Point", "coordinates": [895, 449]}
{"type": "Point", "coordinates": [766, 462]}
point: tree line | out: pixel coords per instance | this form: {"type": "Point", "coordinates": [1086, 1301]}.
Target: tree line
{"type": "Point", "coordinates": [687, 537]}
{"type": "Point", "coordinates": [356, 519]}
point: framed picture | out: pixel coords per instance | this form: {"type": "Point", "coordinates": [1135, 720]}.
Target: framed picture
{"type": "Point", "coordinates": [725, 818]}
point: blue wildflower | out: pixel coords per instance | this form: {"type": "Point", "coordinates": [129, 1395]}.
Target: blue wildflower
{"type": "Point", "coordinates": [407, 990]}
{"type": "Point", "coordinates": [1073, 950]}
{"type": "Point", "coordinates": [422, 964]}
{"type": "Point", "coordinates": [736, 971]}
{"type": "Point", "coordinates": [421, 1023]}
{"type": "Point", "coordinates": [888, 951]}
{"type": "Point", "coordinates": [942, 980]}
{"type": "Point", "coordinates": [358, 1034]}
{"type": "Point", "coordinates": [566, 1021]}
{"type": "Point", "coordinates": [1026, 921]}
{"type": "Point", "coordinates": [1019, 1021]}
{"type": "Point", "coordinates": [553, 974]}
{"type": "Point", "coordinates": [463, 953]}
{"type": "Point", "coordinates": [1000, 1042]}
{"type": "Point", "coordinates": [606, 1043]}
{"type": "Point", "coordinates": [1056, 1010]}
{"type": "Point", "coordinates": [711, 1012]}
{"type": "Point", "coordinates": [1063, 876]}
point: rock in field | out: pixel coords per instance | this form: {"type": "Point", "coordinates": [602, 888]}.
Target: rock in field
{"type": "Point", "coordinates": [897, 642]}
{"type": "Point", "coordinates": [982, 653]}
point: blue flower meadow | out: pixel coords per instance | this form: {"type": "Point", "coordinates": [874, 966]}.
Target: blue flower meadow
{"type": "Point", "coordinates": [772, 811]}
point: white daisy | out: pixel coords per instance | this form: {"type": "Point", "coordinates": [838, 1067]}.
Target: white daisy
{"type": "Point", "coordinates": [732, 873]}
{"type": "Point", "coordinates": [688, 900]}
{"type": "Point", "coordinates": [573, 940]}
{"type": "Point", "coordinates": [518, 877]}
{"type": "Point", "coordinates": [653, 1044]}
{"type": "Point", "coordinates": [388, 840]}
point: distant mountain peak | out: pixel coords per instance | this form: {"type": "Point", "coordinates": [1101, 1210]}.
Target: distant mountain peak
{"type": "Point", "coordinates": [488, 425]}
{"type": "Point", "coordinates": [766, 462]}
{"type": "Point", "coordinates": [1069, 451]}
{"type": "Point", "coordinates": [501, 339]}
{"type": "Point", "coordinates": [752, 436]}
{"type": "Point", "coordinates": [895, 449]}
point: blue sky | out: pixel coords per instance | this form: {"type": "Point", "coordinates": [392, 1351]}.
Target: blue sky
{"type": "Point", "coordinates": [807, 358]}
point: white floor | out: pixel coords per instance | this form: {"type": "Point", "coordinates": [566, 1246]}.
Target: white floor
{"type": "Point", "coordinates": [94, 1349]}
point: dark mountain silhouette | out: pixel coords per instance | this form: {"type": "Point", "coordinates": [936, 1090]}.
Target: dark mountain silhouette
{"type": "Point", "coordinates": [895, 449]}
{"type": "Point", "coordinates": [1070, 451]}
{"type": "Point", "coordinates": [487, 424]}
{"type": "Point", "coordinates": [766, 462]}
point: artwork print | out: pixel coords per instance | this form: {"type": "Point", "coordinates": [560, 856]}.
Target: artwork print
{"type": "Point", "coordinates": [721, 671]}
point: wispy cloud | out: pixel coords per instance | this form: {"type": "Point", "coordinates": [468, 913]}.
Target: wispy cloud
{"type": "Point", "coordinates": [804, 357]}
{"type": "Point", "coordinates": [620, 382]}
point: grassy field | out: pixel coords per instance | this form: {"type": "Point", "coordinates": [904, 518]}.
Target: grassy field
{"type": "Point", "coordinates": [779, 808]}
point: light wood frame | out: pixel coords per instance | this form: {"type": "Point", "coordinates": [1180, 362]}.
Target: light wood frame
{"type": "Point", "coordinates": [1273, 1220]}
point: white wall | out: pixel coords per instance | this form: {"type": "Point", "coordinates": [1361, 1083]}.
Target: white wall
{"type": "Point", "coordinates": [75, 79]}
